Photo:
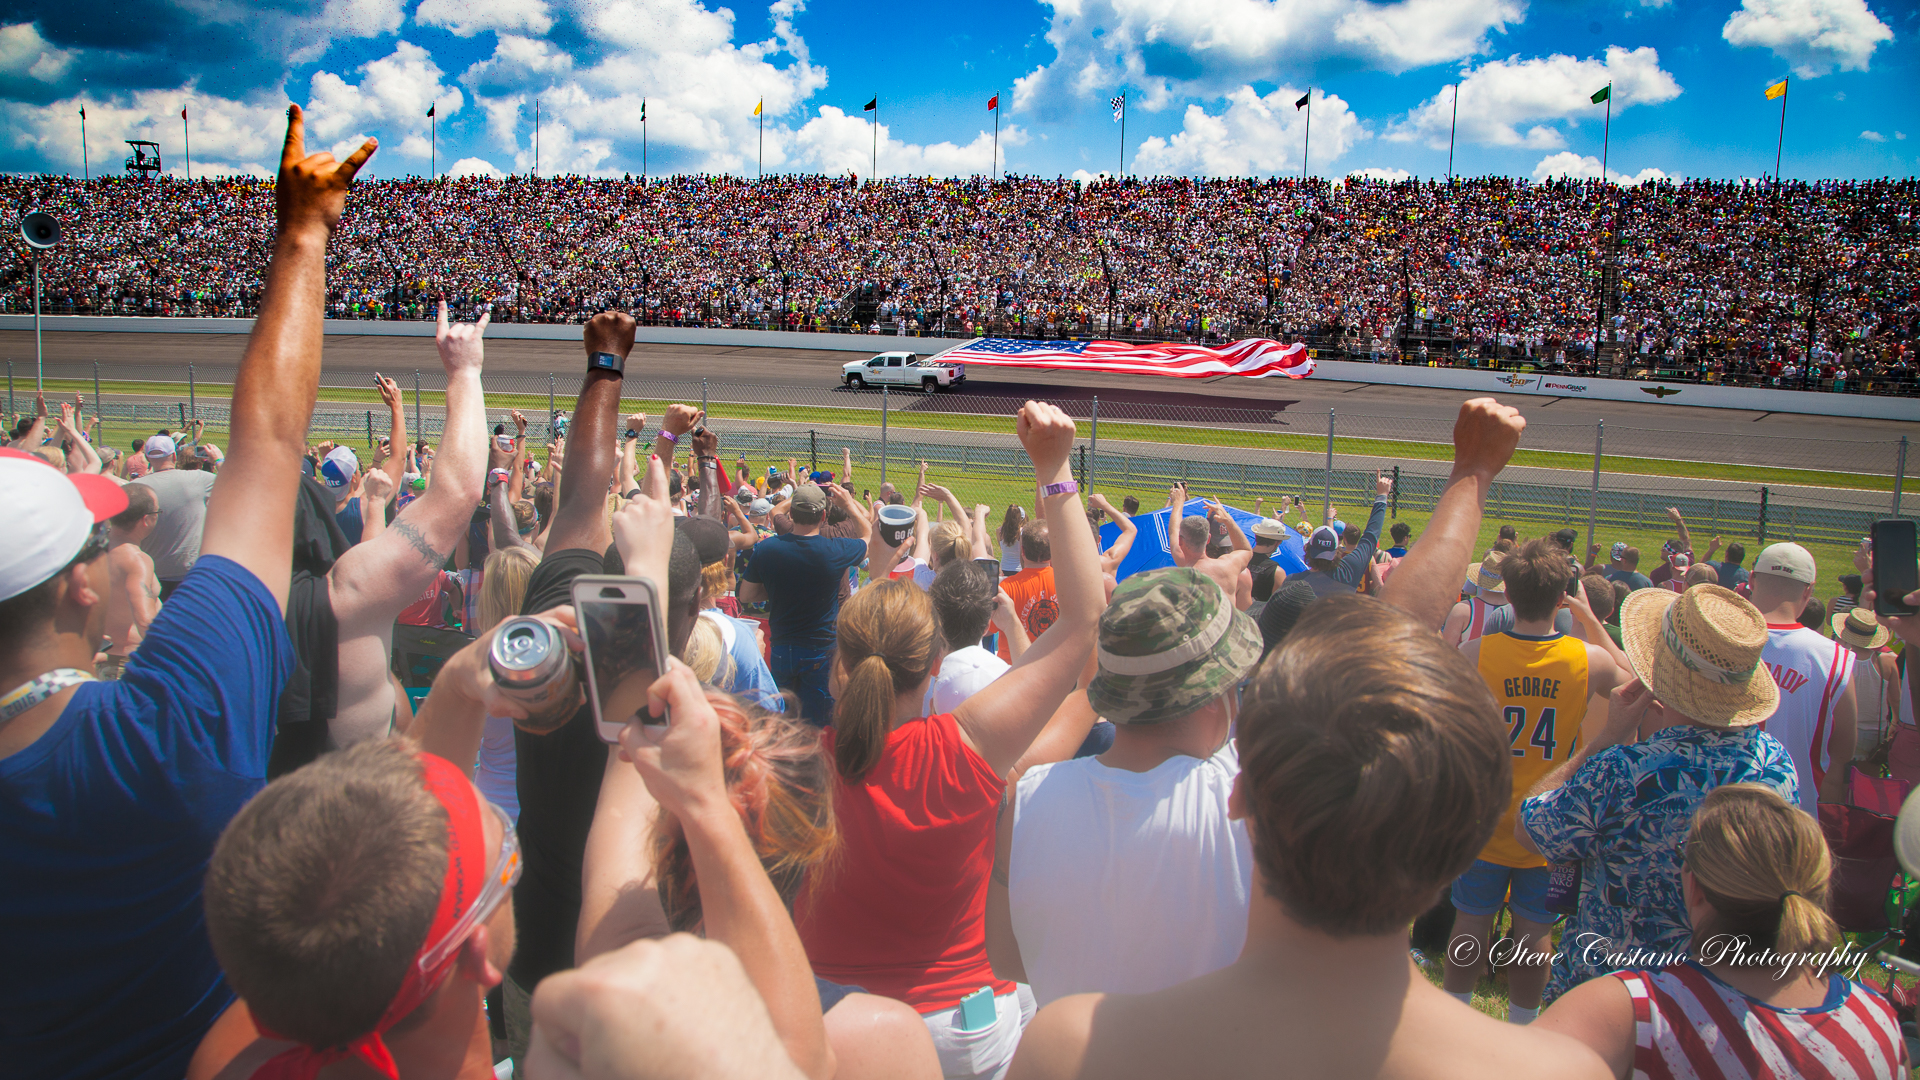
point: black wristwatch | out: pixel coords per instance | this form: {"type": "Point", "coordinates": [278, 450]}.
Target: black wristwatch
{"type": "Point", "coordinates": [606, 361]}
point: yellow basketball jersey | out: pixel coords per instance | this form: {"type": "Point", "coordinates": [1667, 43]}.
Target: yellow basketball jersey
{"type": "Point", "coordinates": [1540, 685]}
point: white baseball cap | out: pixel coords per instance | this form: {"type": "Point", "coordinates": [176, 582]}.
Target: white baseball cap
{"type": "Point", "coordinates": [338, 470]}
{"type": "Point", "coordinates": [1787, 561]}
{"type": "Point", "coordinates": [50, 517]}
{"type": "Point", "coordinates": [159, 446]}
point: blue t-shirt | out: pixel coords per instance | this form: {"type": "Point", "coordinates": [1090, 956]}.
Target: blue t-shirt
{"type": "Point", "coordinates": [1731, 573]}
{"type": "Point", "coordinates": [802, 578]}
{"type": "Point", "coordinates": [107, 823]}
{"type": "Point", "coordinates": [752, 679]}
{"type": "Point", "coordinates": [350, 521]}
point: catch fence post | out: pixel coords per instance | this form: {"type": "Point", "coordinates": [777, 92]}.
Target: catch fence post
{"type": "Point", "coordinates": [883, 435]}
{"type": "Point", "coordinates": [192, 406]}
{"type": "Point", "coordinates": [10, 409]}
{"type": "Point", "coordinates": [1083, 465]}
{"type": "Point", "coordinates": [1899, 475]}
{"type": "Point", "coordinates": [703, 398]}
{"type": "Point", "coordinates": [1326, 507]}
{"type": "Point", "coordinates": [96, 394]}
{"type": "Point", "coordinates": [813, 451]}
{"type": "Point", "coordinates": [549, 406]}
{"type": "Point", "coordinates": [1593, 496]}
{"type": "Point", "coordinates": [370, 443]}
{"type": "Point", "coordinates": [418, 431]}
{"type": "Point", "coordinates": [1763, 517]}
{"type": "Point", "coordinates": [1396, 491]}
{"type": "Point", "coordinates": [1093, 458]}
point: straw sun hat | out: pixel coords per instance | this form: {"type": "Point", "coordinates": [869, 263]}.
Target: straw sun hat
{"type": "Point", "coordinates": [1860, 628]}
{"type": "Point", "coordinates": [1699, 653]}
{"type": "Point", "coordinates": [1486, 575]}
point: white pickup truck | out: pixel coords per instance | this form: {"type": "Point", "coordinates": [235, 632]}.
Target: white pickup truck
{"type": "Point", "coordinates": [903, 369]}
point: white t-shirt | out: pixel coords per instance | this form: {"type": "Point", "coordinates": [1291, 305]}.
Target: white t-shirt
{"type": "Point", "coordinates": [1812, 672]}
{"type": "Point", "coordinates": [1126, 882]}
{"type": "Point", "coordinates": [963, 673]}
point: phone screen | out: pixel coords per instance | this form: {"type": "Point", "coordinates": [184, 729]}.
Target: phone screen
{"type": "Point", "coordinates": [623, 651]}
{"type": "Point", "coordinates": [1895, 573]}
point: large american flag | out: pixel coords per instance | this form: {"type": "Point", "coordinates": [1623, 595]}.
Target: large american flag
{"type": "Point", "coordinates": [1253, 357]}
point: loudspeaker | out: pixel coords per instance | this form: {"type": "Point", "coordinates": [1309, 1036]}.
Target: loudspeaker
{"type": "Point", "coordinates": [40, 230]}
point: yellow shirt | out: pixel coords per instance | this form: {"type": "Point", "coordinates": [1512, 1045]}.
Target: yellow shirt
{"type": "Point", "coordinates": [1540, 685]}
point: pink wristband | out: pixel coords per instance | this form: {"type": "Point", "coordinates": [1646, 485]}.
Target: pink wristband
{"type": "Point", "coordinates": [670, 436]}
{"type": "Point", "coordinates": [1064, 487]}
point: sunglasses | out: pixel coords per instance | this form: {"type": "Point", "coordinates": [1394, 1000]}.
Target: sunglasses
{"type": "Point", "coordinates": [506, 874]}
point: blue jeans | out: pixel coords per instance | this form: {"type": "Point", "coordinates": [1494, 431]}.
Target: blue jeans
{"type": "Point", "coordinates": [803, 670]}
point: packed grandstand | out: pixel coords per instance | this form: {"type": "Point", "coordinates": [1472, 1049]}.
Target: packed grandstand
{"type": "Point", "coordinates": [1723, 281]}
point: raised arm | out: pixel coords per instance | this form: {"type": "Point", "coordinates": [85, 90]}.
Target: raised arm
{"type": "Point", "coordinates": [1001, 721]}
{"type": "Point", "coordinates": [516, 469]}
{"type": "Point", "coordinates": [250, 512]}
{"type": "Point", "coordinates": [1680, 526]}
{"type": "Point", "coordinates": [922, 543]}
{"type": "Point", "coordinates": [396, 464]}
{"type": "Point", "coordinates": [376, 580]}
{"type": "Point", "coordinates": [681, 764]}
{"type": "Point", "coordinates": [580, 507]}
{"type": "Point", "coordinates": [376, 490]}
{"type": "Point", "coordinates": [506, 531]}
{"type": "Point", "coordinates": [1427, 582]}
{"type": "Point", "coordinates": [978, 532]}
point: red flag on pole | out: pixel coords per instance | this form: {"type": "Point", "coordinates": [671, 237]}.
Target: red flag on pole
{"type": "Point", "coordinates": [183, 114]}
{"type": "Point", "coordinates": [993, 102]}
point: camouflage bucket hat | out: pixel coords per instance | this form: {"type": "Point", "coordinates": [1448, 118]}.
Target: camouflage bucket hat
{"type": "Point", "coordinates": [1170, 641]}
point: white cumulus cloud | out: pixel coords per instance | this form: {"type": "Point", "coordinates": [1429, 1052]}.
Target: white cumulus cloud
{"type": "Point", "coordinates": [1873, 136]}
{"type": "Point", "coordinates": [465, 18]}
{"type": "Point", "coordinates": [1377, 173]}
{"type": "Point", "coordinates": [1253, 134]}
{"type": "Point", "coordinates": [1171, 48]}
{"type": "Point", "coordinates": [390, 100]}
{"type": "Point", "coordinates": [1515, 102]}
{"type": "Point", "coordinates": [1578, 167]}
{"type": "Point", "coordinates": [1815, 36]}
{"type": "Point", "coordinates": [23, 52]}
{"type": "Point", "coordinates": [473, 166]}
{"type": "Point", "coordinates": [837, 142]}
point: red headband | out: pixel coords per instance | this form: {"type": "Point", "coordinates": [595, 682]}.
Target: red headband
{"type": "Point", "coordinates": [466, 877]}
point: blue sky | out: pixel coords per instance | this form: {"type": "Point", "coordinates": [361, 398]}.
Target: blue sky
{"type": "Point", "coordinates": [1210, 84]}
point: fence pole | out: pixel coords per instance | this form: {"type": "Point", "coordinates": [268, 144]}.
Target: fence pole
{"type": "Point", "coordinates": [813, 453]}
{"type": "Point", "coordinates": [1083, 465]}
{"type": "Point", "coordinates": [1899, 475]}
{"type": "Point", "coordinates": [192, 405]}
{"type": "Point", "coordinates": [703, 398]}
{"type": "Point", "coordinates": [1763, 517]}
{"type": "Point", "coordinates": [1396, 491]}
{"type": "Point", "coordinates": [883, 435]}
{"type": "Point", "coordinates": [370, 443]}
{"type": "Point", "coordinates": [550, 407]}
{"type": "Point", "coordinates": [1093, 455]}
{"type": "Point", "coordinates": [1326, 506]}
{"type": "Point", "coordinates": [10, 409]}
{"type": "Point", "coordinates": [420, 432]}
{"type": "Point", "coordinates": [1593, 496]}
{"type": "Point", "coordinates": [96, 393]}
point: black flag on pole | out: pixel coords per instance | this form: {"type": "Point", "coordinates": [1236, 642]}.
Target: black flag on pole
{"type": "Point", "coordinates": [432, 107]}
{"type": "Point", "coordinates": [1302, 103]}
{"type": "Point", "coordinates": [871, 105]}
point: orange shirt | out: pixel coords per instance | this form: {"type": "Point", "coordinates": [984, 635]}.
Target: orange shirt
{"type": "Point", "coordinates": [1034, 601]}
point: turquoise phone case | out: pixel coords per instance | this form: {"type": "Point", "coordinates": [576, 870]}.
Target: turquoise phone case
{"type": "Point", "coordinates": [977, 1011]}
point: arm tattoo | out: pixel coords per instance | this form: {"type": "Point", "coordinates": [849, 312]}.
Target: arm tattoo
{"type": "Point", "coordinates": [419, 543]}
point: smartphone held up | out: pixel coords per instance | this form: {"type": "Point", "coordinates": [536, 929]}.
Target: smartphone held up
{"type": "Point", "coordinates": [1895, 570]}
{"type": "Point", "coordinates": [623, 625]}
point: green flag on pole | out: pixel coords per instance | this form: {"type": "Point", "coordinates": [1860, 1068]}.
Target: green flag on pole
{"type": "Point", "coordinates": [1603, 93]}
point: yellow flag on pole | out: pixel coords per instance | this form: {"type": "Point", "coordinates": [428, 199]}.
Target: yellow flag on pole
{"type": "Point", "coordinates": [763, 101]}
{"type": "Point", "coordinates": [1777, 89]}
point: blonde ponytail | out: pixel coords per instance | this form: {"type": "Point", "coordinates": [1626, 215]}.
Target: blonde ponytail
{"type": "Point", "coordinates": [887, 646]}
{"type": "Point", "coordinates": [1764, 867]}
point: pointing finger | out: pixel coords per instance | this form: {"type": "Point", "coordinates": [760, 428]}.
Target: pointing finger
{"type": "Point", "coordinates": [295, 148]}
{"type": "Point", "coordinates": [442, 331]}
{"type": "Point", "coordinates": [480, 327]}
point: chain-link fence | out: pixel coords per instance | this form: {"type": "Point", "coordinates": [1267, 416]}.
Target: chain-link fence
{"type": "Point", "coordinates": [1593, 477]}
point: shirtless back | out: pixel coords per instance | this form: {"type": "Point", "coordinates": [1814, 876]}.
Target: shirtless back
{"type": "Point", "coordinates": [133, 595]}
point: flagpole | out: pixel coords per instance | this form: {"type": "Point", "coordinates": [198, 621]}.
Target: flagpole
{"type": "Point", "coordinates": [186, 138]}
{"type": "Point", "coordinates": [873, 172]}
{"type": "Point", "coordinates": [1306, 144]}
{"type": "Point", "coordinates": [1606, 137]}
{"type": "Point", "coordinates": [85, 173]}
{"type": "Point", "coordinates": [643, 138]}
{"type": "Point", "coordinates": [433, 144]}
{"type": "Point", "coordinates": [1123, 134]}
{"type": "Point", "coordinates": [536, 136]}
{"type": "Point", "coordinates": [762, 115]}
{"type": "Point", "coordinates": [1781, 145]}
{"type": "Point", "coordinates": [1454, 130]}
{"type": "Point", "coordinates": [995, 174]}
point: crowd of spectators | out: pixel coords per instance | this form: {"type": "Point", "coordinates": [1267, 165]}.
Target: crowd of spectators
{"type": "Point", "coordinates": [1804, 284]}
{"type": "Point", "coordinates": [1184, 827]}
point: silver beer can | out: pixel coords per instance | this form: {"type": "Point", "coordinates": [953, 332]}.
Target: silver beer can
{"type": "Point", "coordinates": [532, 666]}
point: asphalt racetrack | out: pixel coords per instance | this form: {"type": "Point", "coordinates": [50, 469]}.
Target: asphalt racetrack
{"type": "Point", "coordinates": [1299, 405]}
